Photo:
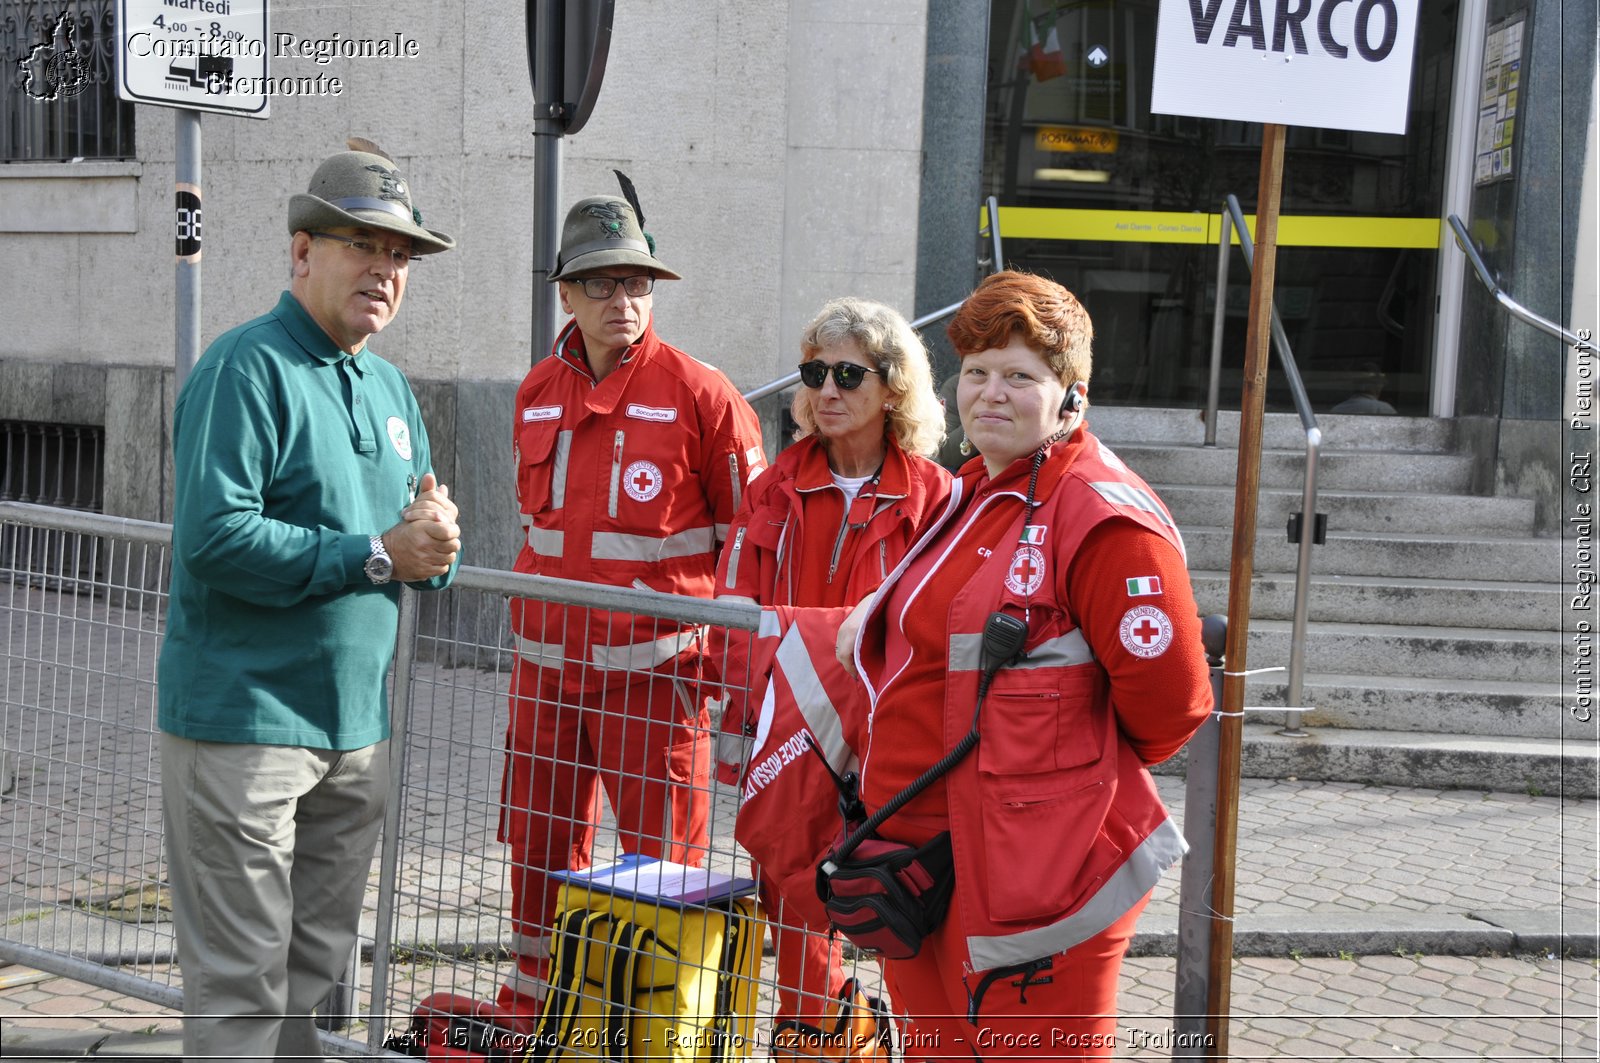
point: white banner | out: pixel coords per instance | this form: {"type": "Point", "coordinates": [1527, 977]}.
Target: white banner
{"type": "Point", "coordinates": [1328, 64]}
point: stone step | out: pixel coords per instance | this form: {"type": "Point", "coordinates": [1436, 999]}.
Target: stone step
{"type": "Point", "coordinates": [1385, 554]}
{"type": "Point", "coordinates": [1537, 766]}
{"type": "Point", "coordinates": [1202, 505]}
{"type": "Point", "coordinates": [1446, 653]}
{"type": "Point", "coordinates": [1462, 603]}
{"type": "Point", "coordinates": [1280, 431]}
{"type": "Point", "coordinates": [1337, 470]}
{"type": "Point", "coordinates": [1407, 703]}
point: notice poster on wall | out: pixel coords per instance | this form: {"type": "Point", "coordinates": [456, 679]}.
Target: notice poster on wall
{"type": "Point", "coordinates": [1497, 102]}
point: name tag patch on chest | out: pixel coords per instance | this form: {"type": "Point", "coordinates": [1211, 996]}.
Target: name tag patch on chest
{"type": "Point", "coordinates": [541, 413]}
{"type": "Point", "coordinates": [400, 437]}
{"type": "Point", "coordinates": [652, 413]}
{"type": "Point", "coordinates": [1026, 573]}
{"type": "Point", "coordinates": [642, 481]}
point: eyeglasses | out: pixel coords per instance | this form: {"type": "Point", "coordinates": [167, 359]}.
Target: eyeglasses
{"type": "Point", "coordinates": [400, 256]}
{"type": "Point", "coordinates": [605, 287]}
{"type": "Point", "coordinates": [847, 375]}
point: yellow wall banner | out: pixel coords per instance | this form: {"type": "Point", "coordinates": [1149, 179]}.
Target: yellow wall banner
{"type": "Point", "coordinates": [1180, 227]}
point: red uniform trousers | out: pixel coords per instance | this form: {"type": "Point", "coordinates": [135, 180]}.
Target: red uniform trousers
{"type": "Point", "coordinates": [647, 742]}
{"type": "Point", "coordinates": [810, 962]}
{"type": "Point", "coordinates": [1065, 1009]}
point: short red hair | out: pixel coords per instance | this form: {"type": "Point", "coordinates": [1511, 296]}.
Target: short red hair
{"type": "Point", "coordinates": [1047, 317]}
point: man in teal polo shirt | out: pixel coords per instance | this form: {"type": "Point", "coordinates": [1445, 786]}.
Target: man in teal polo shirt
{"type": "Point", "coordinates": [304, 496]}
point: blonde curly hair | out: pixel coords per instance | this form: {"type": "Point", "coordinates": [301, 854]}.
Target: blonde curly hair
{"type": "Point", "coordinates": [916, 421]}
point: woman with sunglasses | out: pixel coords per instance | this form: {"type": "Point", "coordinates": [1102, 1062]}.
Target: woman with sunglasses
{"type": "Point", "coordinates": [823, 527]}
{"type": "Point", "coordinates": [1050, 820]}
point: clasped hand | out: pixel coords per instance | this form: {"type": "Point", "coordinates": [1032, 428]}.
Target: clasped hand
{"type": "Point", "coordinates": [425, 542]}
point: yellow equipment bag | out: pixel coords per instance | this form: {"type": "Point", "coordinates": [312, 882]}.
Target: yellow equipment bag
{"type": "Point", "coordinates": [632, 980]}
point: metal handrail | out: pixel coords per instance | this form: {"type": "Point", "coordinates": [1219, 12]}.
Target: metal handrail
{"type": "Point", "coordinates": [1233, 219]}
{"type": "Point", "coordinates": [1517, 310]}
{"type": "Point", "coordinates": [992, 206]}
{"type": "Point", "coordinates": [791, 378]}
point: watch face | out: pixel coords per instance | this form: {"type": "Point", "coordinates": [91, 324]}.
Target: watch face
{"type": "Point", "coordinates": [379, 569]}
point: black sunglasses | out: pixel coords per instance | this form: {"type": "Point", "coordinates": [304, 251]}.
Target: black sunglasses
{"type": "Point", "coordinates": [847, 375]}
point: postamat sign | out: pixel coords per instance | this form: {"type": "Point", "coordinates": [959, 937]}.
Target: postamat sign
{"type": "Point", "coordinates": [1328, 64]}
{"type": "Point", "coordinates": [207, 55]}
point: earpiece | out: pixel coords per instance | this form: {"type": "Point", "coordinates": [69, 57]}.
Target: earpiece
{"type": "Point", "coordinates": [1073, 402]}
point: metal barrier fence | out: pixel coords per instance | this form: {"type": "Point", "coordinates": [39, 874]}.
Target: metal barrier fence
{"type": "Point", "coordinates": [83, 892]}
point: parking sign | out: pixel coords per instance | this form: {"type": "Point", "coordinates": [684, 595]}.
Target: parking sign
{"type": "Point", "coordinates": [205, 55]}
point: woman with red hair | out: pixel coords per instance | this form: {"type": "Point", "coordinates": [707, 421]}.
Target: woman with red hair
{"type": "Point", "coordinates": [1052, 824]}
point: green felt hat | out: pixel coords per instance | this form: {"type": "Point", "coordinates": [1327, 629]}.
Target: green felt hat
{"type": "Point", "coordinates": [604, 231]}
{"type": "Point", "coordinates": [359, 188]}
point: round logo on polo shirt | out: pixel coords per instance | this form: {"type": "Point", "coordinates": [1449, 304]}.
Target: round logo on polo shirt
{"type": "Point", "coordinates": [400, 436]}
{"type": "Point", "coordinates": [642, 481]}
{"type": "Point", "coordinates": [1026, 572]}
{"type": "Point", "coordinates": [1145, 631]}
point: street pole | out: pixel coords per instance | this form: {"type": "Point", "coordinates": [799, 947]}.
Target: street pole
{"type": "Point", "coordinates": [1258, 336]}
{"type": "Point", "coordinates": [548, 128]}
{"type": "Point", "coordinates": [187, 220]}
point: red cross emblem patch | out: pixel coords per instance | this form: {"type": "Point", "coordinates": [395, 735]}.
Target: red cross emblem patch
{"type": "Point", "coordinates": [642, 481]}
{"type": "Point", "coordinates": [1146, 631]}
{"type": "Point", "coordinates": [1026, 573]}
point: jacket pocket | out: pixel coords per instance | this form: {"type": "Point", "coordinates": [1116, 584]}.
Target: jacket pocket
{"type": "Point", "coordinates": [542, 465]}
{"type": "Point", "coordinates": [1031, 724]}
{"type": "Point", "coordinates": [1043, 851]}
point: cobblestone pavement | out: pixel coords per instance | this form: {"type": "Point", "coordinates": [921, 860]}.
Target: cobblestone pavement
{"type": "Point", "coordinates": [1347, 895]}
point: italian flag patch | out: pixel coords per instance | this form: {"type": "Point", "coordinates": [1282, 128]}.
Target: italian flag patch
{"type": "Point", "coordinates": [1140, 586]}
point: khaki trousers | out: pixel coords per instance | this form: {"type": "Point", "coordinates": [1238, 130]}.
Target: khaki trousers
{"type": "Point", "coordinates": [268, 850]}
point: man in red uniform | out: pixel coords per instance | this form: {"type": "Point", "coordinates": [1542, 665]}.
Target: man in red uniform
{"type": "Point", "coordinates": [631, 457]}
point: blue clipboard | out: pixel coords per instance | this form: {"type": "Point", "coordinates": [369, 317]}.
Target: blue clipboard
{"type": "Point", "coordinates": [656, 881]}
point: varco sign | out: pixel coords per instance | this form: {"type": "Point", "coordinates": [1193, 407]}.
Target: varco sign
{"type": "Point", "coordinates": [1288, 26]}
{"type": "Point", "coordinates": [1333, 64]}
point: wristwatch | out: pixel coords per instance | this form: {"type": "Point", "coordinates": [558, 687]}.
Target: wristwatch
{"type": "Point", "coordinates": [380, 566]}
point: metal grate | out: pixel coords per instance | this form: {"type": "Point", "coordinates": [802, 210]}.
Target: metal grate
{"type": "Point", "coordinates": [58, 465]}
{"type": "Point", "coordinates": [53, 464]}
{"type": "Point", "coordinates": [58, 62]}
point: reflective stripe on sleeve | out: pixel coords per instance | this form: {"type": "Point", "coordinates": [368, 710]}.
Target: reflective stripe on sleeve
{"type": "Point", "coordinates": [1121, 494]}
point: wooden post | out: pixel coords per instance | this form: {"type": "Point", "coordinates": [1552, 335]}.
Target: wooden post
{"type": "Point", "coordinates": [1258, 338]}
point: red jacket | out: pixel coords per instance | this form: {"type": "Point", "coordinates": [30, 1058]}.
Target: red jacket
{"type": "Point", "coordinates": [792, 543]}
{"type": "Point", "coordinates": [631, 481]}
{"type": "Point", "coordinates": [1056, 825]}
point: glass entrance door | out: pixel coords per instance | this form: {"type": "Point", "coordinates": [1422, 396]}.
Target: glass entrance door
{"type": "Point", "coordinates": [1121, 206]}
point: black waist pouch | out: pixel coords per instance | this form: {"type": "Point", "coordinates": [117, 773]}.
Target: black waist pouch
{"type": "Point", "coordinates": [886, 897]}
